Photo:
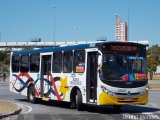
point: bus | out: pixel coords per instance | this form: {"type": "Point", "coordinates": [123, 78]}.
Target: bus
{"type": "Point", "coordinates": [101, 73]}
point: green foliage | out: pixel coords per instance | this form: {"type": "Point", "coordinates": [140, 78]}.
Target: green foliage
{"type": "Point", "coordinates": [4, 61]}
{"type": "Point", "coordinates": [4, 57]}
{"type": "Point", "coordinates": [153, 59]}
{"type": "Point", "coordinates": [154, 51]}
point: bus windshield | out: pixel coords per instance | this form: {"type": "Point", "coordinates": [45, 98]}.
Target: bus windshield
{"type": "Point", "coordinates": [123, 67]}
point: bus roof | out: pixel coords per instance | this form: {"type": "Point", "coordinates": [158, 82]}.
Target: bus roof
{"type": "Point", "coordinates": [70, 47]}
{"type": "Point", "coordinates": [51, 49]}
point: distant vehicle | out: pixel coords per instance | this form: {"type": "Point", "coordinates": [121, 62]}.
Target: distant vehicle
{"type": "Point", "coordinates": [36, 40]}
{"type": "Point", "coordinates": [102, 73]}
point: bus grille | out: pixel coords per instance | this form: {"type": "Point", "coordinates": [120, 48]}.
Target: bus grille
{"type": "Point", "coordinates": [127, 100]}
{"type": "Point", "coordinates": [125, 94]}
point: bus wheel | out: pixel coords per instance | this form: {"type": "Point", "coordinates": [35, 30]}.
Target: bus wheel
{"type": "Point", "coordinates": [79, 104]}
{"type": "Point", "coordinates": [73, 105]}
{"type": "Point", "coordinates": [117, 108]}
{"type": "Point", "coordinates": [31, 94]}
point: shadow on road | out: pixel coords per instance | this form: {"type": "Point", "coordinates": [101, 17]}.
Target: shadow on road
{"type": "Point", "coordinates": [124, 109]}
{"type": "Point", "coordinates": [98, 109]}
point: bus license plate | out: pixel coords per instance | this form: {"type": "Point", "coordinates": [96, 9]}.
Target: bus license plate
{"type": "Point", "coordinates": [128, 99]}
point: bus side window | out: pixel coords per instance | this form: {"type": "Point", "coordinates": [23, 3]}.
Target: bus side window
{"type": "Point", "coordinates": [15, 63]}
{"type": "Point", "coordinates": [79, 61]}
{"type": "Point", "coordinates": [57, 62]}
{"type": "Point", "coordinates": [34, 63]}
{"type": "Point", "coordinates": [24, 65]}
{"type": "Point", "coordinates": [67, 61]}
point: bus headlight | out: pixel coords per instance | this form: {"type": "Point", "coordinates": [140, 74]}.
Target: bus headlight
{"type": "Point", "coordinates": [104, 89]}
{"type": "Point", "coordinates": [143, 92]}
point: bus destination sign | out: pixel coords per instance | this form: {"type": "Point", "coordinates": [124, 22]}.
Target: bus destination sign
{"type": "Point", "coordinates": [123, 48]}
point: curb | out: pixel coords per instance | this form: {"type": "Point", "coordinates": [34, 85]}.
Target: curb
{"type": "Point", "coordinates": [18, 110]}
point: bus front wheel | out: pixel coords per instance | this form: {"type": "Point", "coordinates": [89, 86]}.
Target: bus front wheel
{"type": "Point", "coordinates": [79, 104]}
{"type": "Point", "coordinates": [31, 94]}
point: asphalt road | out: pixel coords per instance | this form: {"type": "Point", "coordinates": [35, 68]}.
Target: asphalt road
{"type": "Point", "coordinates": [61, 111]}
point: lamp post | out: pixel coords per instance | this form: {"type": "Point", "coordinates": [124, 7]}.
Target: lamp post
{"type": "Point", "coordinates": [54, 27]}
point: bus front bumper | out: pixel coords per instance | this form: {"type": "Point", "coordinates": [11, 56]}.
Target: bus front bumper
{"type": "Point", "coordinates": [106, 99]}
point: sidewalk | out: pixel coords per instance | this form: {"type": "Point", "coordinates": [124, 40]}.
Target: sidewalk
{"type": "Point", "coordinates": [4, 83]}
{"type": "Point", "coordinates": [154, 85]}
{"type": "Point", "coordinates": [8, 108]}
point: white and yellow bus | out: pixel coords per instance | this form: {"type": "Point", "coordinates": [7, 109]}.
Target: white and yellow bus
{"type": "Point", "coordinates": [102, 73]}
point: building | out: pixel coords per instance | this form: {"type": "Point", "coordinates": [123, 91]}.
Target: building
{"type": "Point", "coordinates": [121, 30]}
{"type": "Point", "coordinates": [158, 70]}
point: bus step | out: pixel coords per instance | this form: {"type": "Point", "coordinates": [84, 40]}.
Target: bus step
{"type": "Point", "coordinates": [45, 99]}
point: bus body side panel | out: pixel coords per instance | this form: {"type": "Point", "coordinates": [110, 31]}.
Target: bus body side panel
{"type": "Point", "coordinates": [10, 77]}
{"type": "Point", "coordinates": [63, 83]}
{"type": "Point", "coordinates": [19, 82]}
{"type": "Point", "coordinates": [55, 80]}
{"type": "Point", "coordinates": [14, 84]}
{"type": "Point", "coordinates": [78, 80]}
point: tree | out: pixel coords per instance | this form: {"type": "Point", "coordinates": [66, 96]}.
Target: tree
{"type": "Point", "coordinates": [4, 61]}
{"type": "Point", "coordinates": [153, 61]}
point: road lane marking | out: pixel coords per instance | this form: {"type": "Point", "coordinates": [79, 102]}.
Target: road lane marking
{"type": "Point", "coordinates": [28, 107]}
{"type": "Point", "coordinates": [146, 113]}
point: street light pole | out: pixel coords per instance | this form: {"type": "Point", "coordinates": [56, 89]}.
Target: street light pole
{"type": "Point", "coordinates": [54, 20]}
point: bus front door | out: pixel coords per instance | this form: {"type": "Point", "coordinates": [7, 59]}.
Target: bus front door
{"type": "Point", "coordinates": [91, 82]}
{"type": "Point", "coordinates": [45, 73]}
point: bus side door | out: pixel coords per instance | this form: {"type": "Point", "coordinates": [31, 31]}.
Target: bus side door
{"type": "Point", "coordinates": [45, 73]}
{"type": "Point", "coordinates": [91, 78]}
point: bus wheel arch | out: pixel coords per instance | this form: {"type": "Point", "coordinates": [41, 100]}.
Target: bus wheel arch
{"type": "Point", "coordinates": [76, 98]}
{"type": "Point", "coordinates": [31, 94]}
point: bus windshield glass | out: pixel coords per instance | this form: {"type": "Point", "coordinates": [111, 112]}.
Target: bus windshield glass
{"type": "Point", "coordinates": [123, 67]}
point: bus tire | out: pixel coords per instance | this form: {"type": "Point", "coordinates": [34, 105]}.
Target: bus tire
{"type": "Point", "coordinates": [79, 103]}
{"type": "Point", "coordinates": [31, 94]}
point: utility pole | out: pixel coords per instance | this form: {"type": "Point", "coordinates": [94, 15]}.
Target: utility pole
{"type": "Point", "coordinates": [54, 20]}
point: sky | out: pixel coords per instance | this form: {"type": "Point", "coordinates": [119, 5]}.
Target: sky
{"type": "Point", "coordinates": [77, 20]}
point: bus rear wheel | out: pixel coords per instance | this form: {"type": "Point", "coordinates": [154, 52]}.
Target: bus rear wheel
{"type": "Point", "coordinates": [31, 94]}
